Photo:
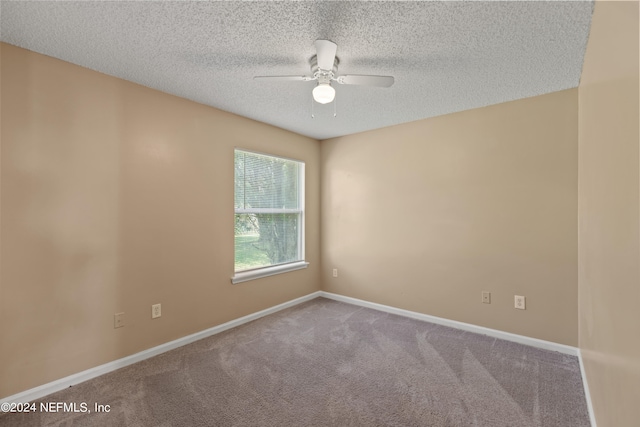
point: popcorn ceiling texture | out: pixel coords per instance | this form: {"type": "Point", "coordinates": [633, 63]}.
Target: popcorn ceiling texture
{"type": "Point", "coordinates": [445, 56]}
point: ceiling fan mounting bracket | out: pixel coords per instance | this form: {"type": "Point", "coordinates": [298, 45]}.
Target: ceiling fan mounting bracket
{"type": "Point", "coordinates": [323, 75]}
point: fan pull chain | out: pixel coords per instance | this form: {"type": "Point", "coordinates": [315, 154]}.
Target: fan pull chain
{"type": "Point", "coordinates": [313, 104]}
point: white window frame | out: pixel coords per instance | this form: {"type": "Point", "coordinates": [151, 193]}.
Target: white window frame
{"type": "Point", "coordinates": [257, 273]}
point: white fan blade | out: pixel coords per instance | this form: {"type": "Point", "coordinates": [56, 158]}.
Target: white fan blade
{"type": "Point", "coordinates": [326, 54]}
{"type": "Point", "coordinates": [379, 81]}
{"type": "Point", "coordinates": [284, 78]}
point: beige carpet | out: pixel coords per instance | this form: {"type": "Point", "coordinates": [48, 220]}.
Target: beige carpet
{"type": "Point", "coordinates": [326, 363]}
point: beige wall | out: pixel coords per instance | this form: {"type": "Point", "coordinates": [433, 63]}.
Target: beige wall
{"type": "Point", "coordinates": [426, 215]}
{"type": "Point", "coordinates": [115, 197]}
{"type": "Point", "coordinates": [609, 218]}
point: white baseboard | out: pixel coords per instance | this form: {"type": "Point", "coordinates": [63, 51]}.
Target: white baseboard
{"type": "Point", "coordinates": [534, 342]}
{"type": "Point", "coordinates": [587, 393]}
{"type": "Point", "coordinates": [46, 389]}
{"type": "Point", "coordinates": [547, 345]}
{"type": "Point", "coordinates": [52, 387]}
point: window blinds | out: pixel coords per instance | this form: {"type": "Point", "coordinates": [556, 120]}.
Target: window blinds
{"type": "Point", "coordinates": [268, 210]}
{"type": "Point", "coordinates": [266, 183]}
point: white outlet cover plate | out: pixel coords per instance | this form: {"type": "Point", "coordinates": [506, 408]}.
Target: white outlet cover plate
{"type": "Point", "coordinates": [118, 320]}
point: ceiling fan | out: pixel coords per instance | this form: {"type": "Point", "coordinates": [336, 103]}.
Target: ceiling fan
{"type": "Point", "coordinates": [324, 69]}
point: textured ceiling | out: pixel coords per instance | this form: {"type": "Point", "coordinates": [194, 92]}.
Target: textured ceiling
{"type": "Point", "coordinates": [445, 56]}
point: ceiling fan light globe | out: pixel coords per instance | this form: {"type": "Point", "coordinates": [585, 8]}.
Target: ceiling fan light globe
{"type": "Point", "coordinates": [323, 93]}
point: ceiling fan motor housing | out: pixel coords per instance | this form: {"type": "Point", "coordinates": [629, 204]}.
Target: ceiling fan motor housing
{"type": "Point", "coordinates": [323, 76]}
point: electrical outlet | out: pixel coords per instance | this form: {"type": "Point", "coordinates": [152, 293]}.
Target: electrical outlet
{"type": "Point", "coordinates": [335, 272]}
{"type": "Point", "coordinates": [486, 297]}
{"type": "Point", "coordinates": [156, 311]}
{"type": "Point", "coordinates": [118, 320]}
{"type": "Point", "coordinates": [520, 302]}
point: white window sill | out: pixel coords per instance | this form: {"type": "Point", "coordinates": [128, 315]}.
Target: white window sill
{"type": "Point", "coordinates": [245, 276]}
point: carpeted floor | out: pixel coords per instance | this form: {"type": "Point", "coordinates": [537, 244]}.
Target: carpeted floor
{"type": "Point", "coordinates": [326, 363]}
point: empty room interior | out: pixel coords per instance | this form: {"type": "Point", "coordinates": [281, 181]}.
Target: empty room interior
{"type": "Point", "coordinates": [454, 240]}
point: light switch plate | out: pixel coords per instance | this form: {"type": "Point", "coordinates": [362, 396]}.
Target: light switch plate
{"type": "Point", "coordinates": [118, 320]}
{"type": "Point", "coordinates": [486, 297]}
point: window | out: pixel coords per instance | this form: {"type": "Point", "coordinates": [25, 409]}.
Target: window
{"type": "Point", "coordinates": [269, 215]}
